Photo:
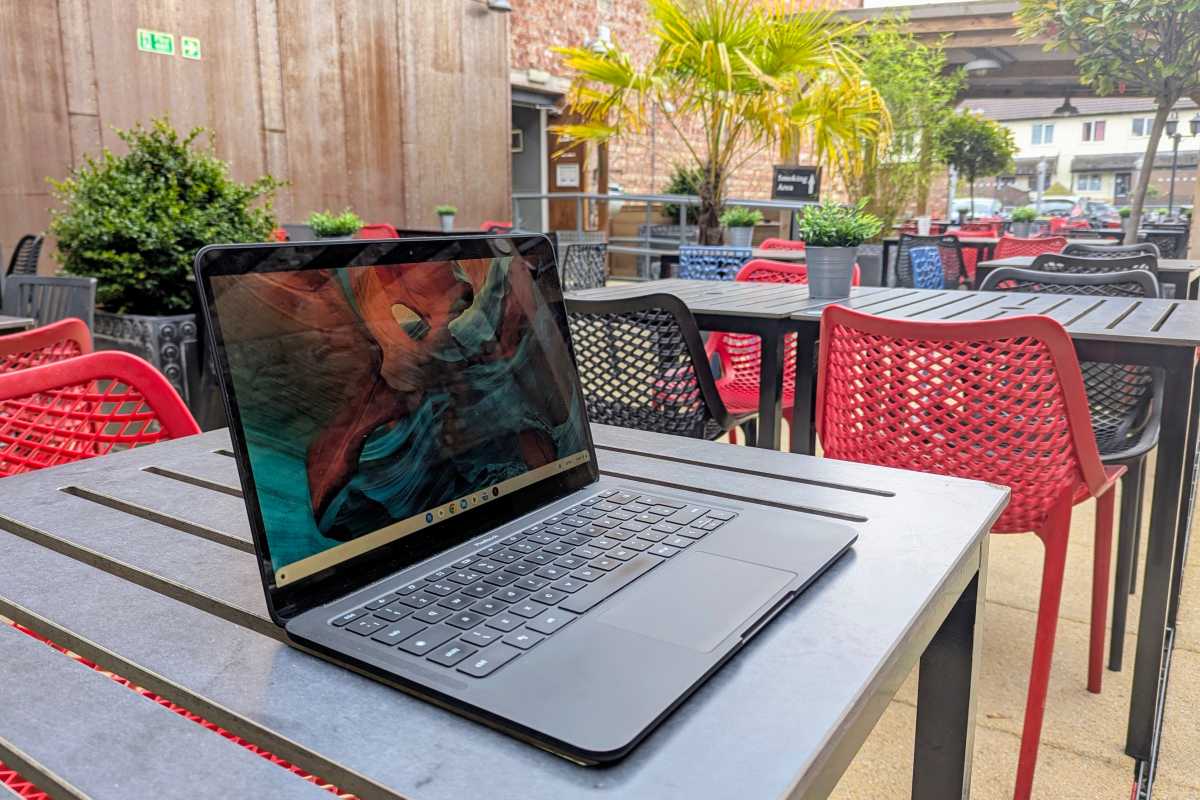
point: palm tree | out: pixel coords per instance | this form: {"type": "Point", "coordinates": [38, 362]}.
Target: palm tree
{"type": "Point", "coordinates": [752, 76]}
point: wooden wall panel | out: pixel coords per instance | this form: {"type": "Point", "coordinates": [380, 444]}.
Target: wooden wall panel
{"type": "Point", "coordinates": [33, 117]}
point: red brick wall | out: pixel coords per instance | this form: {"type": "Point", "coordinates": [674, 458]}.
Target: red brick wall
{"type": "Point", "coordinates": [638, 162]}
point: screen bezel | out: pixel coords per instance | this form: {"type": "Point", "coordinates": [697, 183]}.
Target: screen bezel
{"type": "Point", "coordinates": [285, 602]}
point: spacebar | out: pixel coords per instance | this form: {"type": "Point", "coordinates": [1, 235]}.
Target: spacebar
{"type": "Point", "coordinates": [602, 588]}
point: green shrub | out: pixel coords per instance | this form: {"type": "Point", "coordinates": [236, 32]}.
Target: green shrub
{"type": "Point", "coordinates": [346, 223]}
{"type": "Point", "coordinates": [1126, 212]}
{"type": "Point", "coordinates": [738, 217]}
{"type": "Point", "coordinates": [1024, 214]}
{"type": "Point", "coordinates": [684, 180]}
{"type": "Point", "coordinates": [446, 211]}
{"type": "Point", "coordinates": [833, 225]}
{"type": "Point", "coordinates": [135, 222]}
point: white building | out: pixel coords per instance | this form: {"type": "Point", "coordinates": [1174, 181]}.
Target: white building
{"type": "Point", "coordinates": [1097, 152]}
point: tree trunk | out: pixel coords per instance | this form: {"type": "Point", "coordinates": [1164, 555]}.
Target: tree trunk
{"type": "Point", "coordinates": [712, 197]}
{"type": "Point", "coordinates": [926, 162]}
{"type": "Point", "coordinates": [1194, 248]}
{"type": "Point", "coordinates": [1143, 182]}
{"type": "Point", "coordinates": [971, 208]}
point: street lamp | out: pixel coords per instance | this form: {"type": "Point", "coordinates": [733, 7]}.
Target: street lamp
{"type": "Point", "coordinates": [1176, 137]}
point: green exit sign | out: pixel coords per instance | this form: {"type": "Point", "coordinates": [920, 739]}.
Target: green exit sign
{"type": "Point", "coordinates": [156, 42]}
{"type": "Point", "coordinates": [189, 47]}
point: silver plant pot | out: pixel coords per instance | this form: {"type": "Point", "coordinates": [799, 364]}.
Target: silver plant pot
{"type": "Point", "coordinates": [829, 271]}
{"type": "Point", "coordinates": [1021, 229]}
{"type": "Point", "coordinates": [447, 222]}
{"type": "Point", "coordinates": [739, 237]}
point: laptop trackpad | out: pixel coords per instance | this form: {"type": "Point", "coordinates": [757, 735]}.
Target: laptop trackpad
{"type": "Point", "coordinates": [696, 601]}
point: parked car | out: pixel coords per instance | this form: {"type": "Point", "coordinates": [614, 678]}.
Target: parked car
{"type": "Point", "coordinates": [1062, 206]}
{"type": "Point", "coordinates": [984, 207]}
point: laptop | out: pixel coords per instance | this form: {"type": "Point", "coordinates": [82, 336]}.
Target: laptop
{"type": "Point", "coordinates": [426, 504]}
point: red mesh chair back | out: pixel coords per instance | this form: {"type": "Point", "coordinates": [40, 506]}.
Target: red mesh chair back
{"type": "Point", "coordinates": [377, 230]}
{"type": "Point", "coordinates": [85, 407]}
{"type": "Point", "coordinates": [57, 341]}
{"type": "Point", "coordinates": [278, 235]}
{"type": "Point", "coordinates": [1002, 398]}
{"type": "Point", "coordinates": [496, 226]}
{"type": "Point", "coordinates": [980, 228]}
{"type": "Point", "coordinates": [1009, 246]}
{"type": "Point", "coordinates": [781, 244]}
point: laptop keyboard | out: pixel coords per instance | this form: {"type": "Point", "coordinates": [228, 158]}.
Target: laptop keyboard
{"type": "Point", "coordinates": [481, 612]}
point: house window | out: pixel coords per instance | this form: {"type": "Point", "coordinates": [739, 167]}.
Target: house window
{"type": "Point", "coordinates": [1093, 131]}
{"type": "Point", "coordinates": [1043, 134]}
{"type": "Point", "coordinates": [1142, 126]}
{"type": "Point", "coordinates": [1121, 183]}
{"type": "Point", "coordinates": [1087, 182]}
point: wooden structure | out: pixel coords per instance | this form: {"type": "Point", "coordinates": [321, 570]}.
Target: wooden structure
{"type": "Point", "coordinates": [390, 107]}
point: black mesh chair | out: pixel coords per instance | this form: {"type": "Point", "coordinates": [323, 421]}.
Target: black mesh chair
{"type": "Point", "coordinates": [24, 259]}
{"type": "Point", "coordinates": [1094, 264]}
{"type": "Point", "coordinates": [1126, 405]}
{"type": "Point", "coordinates": [583, 265]}
{"type": "Point", "coordinates": [1168, 242]}
{"type": "Point", "coordinates": [1111, 250]}
{"type": "Point", "coordinates": [643, 366]}
{"type": "Point", "coordinates": [949, 251]}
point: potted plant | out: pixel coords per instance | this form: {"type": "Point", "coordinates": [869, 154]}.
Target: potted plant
{"type": "Point", "coordinates": [739, 225]}
{"type": "Point", "coordinates": [446, 214]}
{"type": "Point", "coordinates": [335, 226]}
{"type": "Point", "coordinates": [135, 222]}
{"type": "Point", "coordinates": [832, 234]}
{"type": "Point", "coordinates": [1126, 214]}
{"type": "Point", "coordinates": [1022, 221]}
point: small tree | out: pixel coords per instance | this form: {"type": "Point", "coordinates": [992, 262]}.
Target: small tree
{"type": "Point", "coordinates": [748, 76]}
{"type": "Point", "coordinates": [897, 169]}
{"type": "Point", "coordinates": [975, 146]}
{"type": "Point", "coordinates": [1140, 47]}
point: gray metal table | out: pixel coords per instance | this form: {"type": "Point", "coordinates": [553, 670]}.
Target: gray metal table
{"type": "Point", "coordinates": [142, 562]}
{"type": "Point", "coordinates": [1182, 273]}
{"type": "Point", "coordinates": [13, 324]}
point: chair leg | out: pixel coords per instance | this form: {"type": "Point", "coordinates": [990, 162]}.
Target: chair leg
{"type": "Point", "coordinates": [733, 435]}
{"type": "Point", "coordinates": [1100, 567]}
{"type": "Point", "coordinates": [750, 428]}
{"type": "Point", "coordinates": [1127, 543]}
{"type": "Point", "coordinates": [1054, 536]}
{"type": "Point", "coordinates": [1137, 493]}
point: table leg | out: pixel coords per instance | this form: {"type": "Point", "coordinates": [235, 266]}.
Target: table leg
{"type": "Point", "coordinates": [946, 698]}
{"type": "Point", "coordinates": [1186, 504]}
{"type": "Point", "coordinates": [770, 391]}
{"type": "Point", "coordinates": [1157, 592]}
{"type": "Point", "coordinates": [803, 437]}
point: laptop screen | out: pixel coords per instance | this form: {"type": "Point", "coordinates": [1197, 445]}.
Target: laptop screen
{"type": "Point", "coordinates": [383, 401]}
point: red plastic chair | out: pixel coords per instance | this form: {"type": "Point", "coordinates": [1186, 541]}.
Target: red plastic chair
{"type": "Point", "coordinates": [85, 407]}
{"type": "Point", "coordinates": [999, 400]}
{"type": "Point", "coordinates": [781, 244]}
{"type": "Point", "coordinates": [1009, 246]}
{"type": "Point", "coordinates": [57, 341]}
{"type": "Point", "coordinates": [740, 354]}
{"type": "Point", "coordinates": [378, 230]}
{"type": "Point", "coordinates": [980, 227]}
{"type": "Point", "coordinates": [278, 235]}
{"type": "Point", "coordinates": [496, 226]}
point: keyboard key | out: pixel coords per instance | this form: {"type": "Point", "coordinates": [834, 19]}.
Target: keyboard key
{"type": "Point", "coordinates": [574, 539]}
{"type": "Point", "coordinates": [677, 541]}
{"type": "Point", "coordinates": [552, 572]}
{"type": "Point", "coordinates": [601, 589]}
{"type": "Point", "coordinates": [724, 516]}
{"type": "Point", "coordinates": [379, 602]}
{"type": "Point", "coordinates": [604, 543]}
{"type": "Point", "coordinates": [510, 595]}
{"type": "Point", "coordinates": [524, 548]}
{"type": "Point", "coordinates": [436, 576]}
{"type": "Point", "coordinates": [465, 620]}
{"type": "Point", "coordinates": [485, 567]}
{"type": "Point", "coordinates": [393, 612]}
{"type": "Point", "coordinates": [398, 632]}
{"type": "Point", "coordinates": [523, 639]}
{"type": "Point", "coordinates": [482, 665]}
{"type": "Point", "coordinates": [441, 588]}
{"type": "Point", "coordinates": [488, 551]}
{"type": "Point", "coordinates": [622, 554]}
{"type": "Point", "coordinates": [488, 607]}
{"type": "Point", "coordinates": [511, 540]}
{"type": "Point", "coordinates": [365, 626]}
{"type": "Point", "coordinates": [531, 583]}
{"type": "Point", "coordinates": [691, 533]}
{"type": "Point", "coordinates": [606, 493]}
{"type": "Point", "coordinates": [419, 600]}
{"type": "Point", "coordinates": [478, 590]}
{"type": "Point", "coordinates": [588, 552]}
{"type": "Point", "coordinates": [663, 550]}
{"type": "Point", "coordinates": [541, 558]}
{"type": "Point", "coordinates": [638, 544]}
{"type": "Point", "coordinates": [536, 528]}
{"type": "Point", "coordinates": [481, 636]}
{"type": "Point", "coordinates": [421, 643]}
{"type": "Point", "coordinates": [568, 585]}
{"type": "Point", "coordinates": [506, 557]}
{"type": "Point", "coordinates": [432, 614]}
{"type": "Point", "coordinates": [646, 519]}
{"type": "Point", "coordinates": [520, 568]}
{"type": "Point", "coordinates": [528, 609]}
{"type": "Point", "coordinates": [464, 562]}
{"type": "Point", "coordinates": [570, 562]}
{"type": "Point", "coordinates": [465, 577]}
{"type": "Point", "coordinates": [409, 588]}
{"type": "Point", "coordinates": [652, 535]}
{"type": "Point", "coordinates": [545, 538]}
{"type": "Point", "coordinates": [573, 510]}
{"type": "Point", "coordinates": [451, 654]}
{"type": "Point", "coordinates": [604, 563]}
{"type": "Point", "coordinates": [620, 514]}
{"type": "Point", "coordinates": [664, 501]}
{"type": "Point", "coordinates": [550, 597]}
{"type": "Point", "coordinates": [556, 549]}
{"type": "Point", "coordinates": [558, 530]}
{"type": "Point", "coordinates": [637, 508]}
{"type": "Point", "coordinates": [554, 520]}
{"type": "Point", "coordinates": [707, 524]}
{"type": "Point", "coordinates": [604, 522]}
{"type": "Point", "coordinates": [500, 578]}
{"type": "Point", "coordinates": [663, 511]}
{"type": "Point", "coordinates": [574, 522]}
{"type": "Point", "coordinates": [591, 513]}
{"type": "Point", "coordinates": [605, 506]}
{"type": "Point", "coordinates": [348, 617]}
{"type": "Point", "coordinates": [504, 622]}
{"type": "Point", "coordinates": [457, 602]}
{"type": "Point", "coordinates": [685, 515]}
{"type": "Point", "coordinates": [591, 501]}
{"type": "Point", "coordinates": [549, 622]}
{"type": "Point", "coordinates": [621, 498]}
{"type": "Point", "coordinates": [587, 574]}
